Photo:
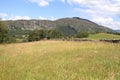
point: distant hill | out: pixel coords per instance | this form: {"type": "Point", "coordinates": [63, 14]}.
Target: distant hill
{"type": "Point", "coordinates": [117, 31]}
{"type": "Point", "coordinates": [67, 26]}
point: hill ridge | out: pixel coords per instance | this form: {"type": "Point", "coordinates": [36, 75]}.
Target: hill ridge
{"type": "Point", "coordinates": [72, 25]}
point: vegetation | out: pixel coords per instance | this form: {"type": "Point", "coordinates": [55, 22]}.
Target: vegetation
{"type": "Point", "coordinates": [3, 33]}
{"type": "Point", "coordinates": [67, 26]}
{"type": "Point", "coordinates": [66, 30]}
{"type": "Point", "coordinates": [104, 36]}
{"type": "Point", "coordinates": [53, 34]}
{"type": "Point", "coordinates": [37, 35]}
{"type": "Point", "coordinates": [60, 60]}
{"type": "Point", "coordinates": [82, 35]}
{"type": "Point", "coordinates": [116, 33]}
{"type": "Point", "coordinates": [57, 60]}
{"type": "Point", "coordinates": [18, 36]}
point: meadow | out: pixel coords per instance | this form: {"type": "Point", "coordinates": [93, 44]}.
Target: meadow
{"type": "Point", "coordinates": [104, 36]}
{"type": "Point", "coordinates": [60, 60]}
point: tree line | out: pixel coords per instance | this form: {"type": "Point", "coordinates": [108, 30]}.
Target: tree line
{"type": "Point", "coordinates": [7, 36]}
{"type": "Point", "coordinates": [37, 35]}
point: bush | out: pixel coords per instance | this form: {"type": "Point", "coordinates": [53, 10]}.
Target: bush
{"type": "Point", "coordinates": [82, 35]}
{"type": "Point", "coordinates": [3, 33]}
{"type": "Point", "coordinates": [37, 35]}
{"type": "Point", "coordinates": [53, 34]}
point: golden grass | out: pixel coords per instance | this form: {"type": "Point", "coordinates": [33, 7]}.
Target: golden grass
{"type": "Point", "coordinates": [60, 60]}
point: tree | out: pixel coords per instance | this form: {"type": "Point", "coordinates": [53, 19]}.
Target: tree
{"type": "Point", "coordinates": [36, 35]}
{"type": "Point", "coordinates": [82, 35]}
{"type": "Point", "coordinates": [3, 33]}
{"type": "Point", "coordinates": [53, 34]}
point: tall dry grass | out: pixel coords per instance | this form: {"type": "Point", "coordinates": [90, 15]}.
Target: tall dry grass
{"type": "Point", "coordinates": [60, 60]}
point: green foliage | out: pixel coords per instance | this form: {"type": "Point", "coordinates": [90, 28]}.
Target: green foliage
{"type": "Point", "coordinates": [3, 33]}
{"type": "Point", "coordinates": [104, 36]}
{"type": "Point", "coordinates": [82, 35]}
{"type": "Point", "coordinates": [115, 33]}
{"type": "Point", "coordinates": [67, 26]}
{"type": "Point", "coordinates": [18, 35]}
{"type": "Point", "coordinates": [37, 35]}
{"type": "Point", "coordinates": [53, 34]}
{"type": "Point", "coordinates": [67, 30]}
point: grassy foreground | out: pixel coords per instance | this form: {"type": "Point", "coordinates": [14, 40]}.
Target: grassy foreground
{"type": "Point", "coordinates": [60, 60]}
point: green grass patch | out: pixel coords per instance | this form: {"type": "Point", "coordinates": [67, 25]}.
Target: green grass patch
{"type": "Point", "coordinates": [103, 36]}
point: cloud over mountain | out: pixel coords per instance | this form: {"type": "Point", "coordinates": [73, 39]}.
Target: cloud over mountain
{"type": "Point", "coordinates": [41, 3]}
{"type": "Point", "coordinates": [101, 11]}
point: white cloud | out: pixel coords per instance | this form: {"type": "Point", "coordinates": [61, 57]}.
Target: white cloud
{"type": "Point", "coordinates": [47, 18]}
{"type": "Point", "coordinates": [42, 18]}
{"type": "Point", "coordinates": [63, 1]}
{"type": "Point", "coordinates": [53, 18]}
{"type": "Point", "coordinates": [19, 18]}
{"type": "Point", "coordinates": [5, 16]}
{"type": "Point", "coordinates": [107, 22]}
{"type": "Point", "coordinates": [41, 3]}
{"type": "Point", "coordinates": [2, 15]}
{"type": "Point", "coordinates": [99, 7]}
{"type": "Point", "coordinates": [101, 11]}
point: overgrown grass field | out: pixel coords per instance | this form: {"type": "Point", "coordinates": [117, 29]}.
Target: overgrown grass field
{"type": "Point", "coordinates": [60, 60]}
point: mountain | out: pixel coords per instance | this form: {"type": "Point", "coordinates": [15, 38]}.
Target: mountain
{"type": "Point", "coordinates": [117, 31]}
{"type": "Point", "coordinates": [67, 26]}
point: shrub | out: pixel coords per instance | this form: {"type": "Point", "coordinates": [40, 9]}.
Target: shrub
{"type": "Point", "coordinates": [53, 34]}
{"type": "Point", "coordinates": [3, 33]}
{"type": "Point", "coordinates": [37, 35]}
{"type": "Point", "coordinates": [82, 35]}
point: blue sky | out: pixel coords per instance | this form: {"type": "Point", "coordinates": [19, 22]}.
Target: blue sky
{"type": "Point", "coordinates": [103, 12]}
